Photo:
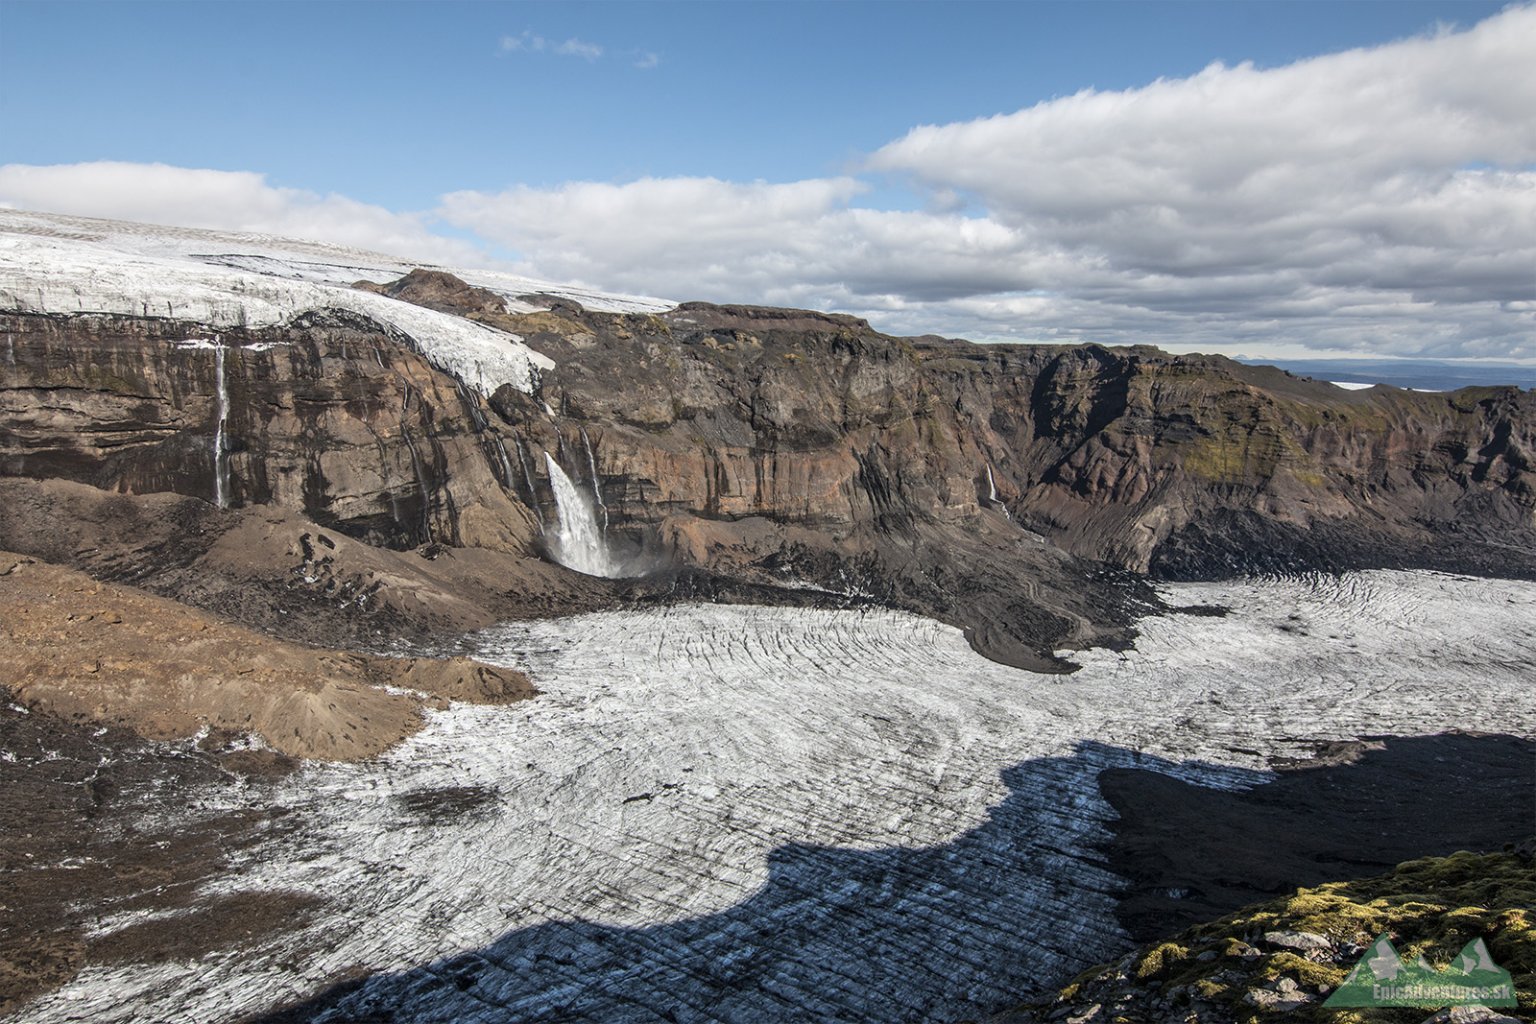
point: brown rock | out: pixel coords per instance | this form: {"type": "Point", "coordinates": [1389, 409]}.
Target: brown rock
{"type": "Point", "coordinates": [166, 671]}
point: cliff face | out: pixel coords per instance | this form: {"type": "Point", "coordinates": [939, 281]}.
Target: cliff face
{"type": "Point", "coordinates": [1182, 465]}
{"type": "Point", "coordinates": [331, 416]}
{"type": "Point", "coordinates": [1009, 490]}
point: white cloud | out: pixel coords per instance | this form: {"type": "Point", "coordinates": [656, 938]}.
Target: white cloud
{"type": "Point", "coordinates": [646, 60]}
{"type": "Point", "coordinates": [578, 48]}
{"type": "Point", "coordinates": [531, 42]}
{"type": "Point", "coordinates": [1381, 199]}
{"type": "Point", "coordinates": [226, 200]}
{"type": "Point", "coordinates": [527, 42]}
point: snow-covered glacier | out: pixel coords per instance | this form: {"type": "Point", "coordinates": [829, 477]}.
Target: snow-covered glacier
{"type": "Point", "coordinates": [728, 813]}
{"type": "Point", "coordinates": [57, 264]}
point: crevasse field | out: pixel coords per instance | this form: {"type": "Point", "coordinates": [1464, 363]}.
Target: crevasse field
{"type": "Point", "coordinates": [724, 813]}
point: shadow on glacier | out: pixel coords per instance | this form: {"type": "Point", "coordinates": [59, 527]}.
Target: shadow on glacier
{"type": "Point", "coordinates": [1190, 853]}
{"type": "Point", "coordinates": [960, 930]}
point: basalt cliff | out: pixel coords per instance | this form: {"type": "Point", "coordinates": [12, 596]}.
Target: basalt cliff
{"type": "Point", "coordinates": [331, 460]}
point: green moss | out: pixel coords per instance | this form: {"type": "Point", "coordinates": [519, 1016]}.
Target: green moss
{"type": "Point", "coordinates": [1306, 972]}
{"type": "Point", "coordinates": [1205, 988]}
{"type": "Point", "coordinates": [1160, 960]}
{"type": "Point", "coordinates": [1430, 907]}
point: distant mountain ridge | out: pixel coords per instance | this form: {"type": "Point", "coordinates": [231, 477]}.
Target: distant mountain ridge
{"type": "Point", "coordinates": [1418, 374]}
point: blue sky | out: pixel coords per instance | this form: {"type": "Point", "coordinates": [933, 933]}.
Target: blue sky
{"type": "Point", "coordinates": [397, 103]}
{"type": "Point", "coordinates": [398, 108]}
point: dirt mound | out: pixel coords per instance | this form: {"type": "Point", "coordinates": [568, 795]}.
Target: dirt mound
{"type": "Point", "coordinates": [83, 649]}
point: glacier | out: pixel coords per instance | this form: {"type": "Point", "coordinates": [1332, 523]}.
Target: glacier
{"type": "Point", "coordinates": [730, 813]}
{"type": "Point", "coordinates": [221, 280]}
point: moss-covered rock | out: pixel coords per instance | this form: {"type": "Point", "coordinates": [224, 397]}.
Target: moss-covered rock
{"type": "Point", "coordinates": [1226, 972]}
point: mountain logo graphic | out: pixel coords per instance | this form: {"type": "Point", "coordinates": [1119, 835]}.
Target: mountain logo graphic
{"type": "Point", "coordinates": [1382, 978]}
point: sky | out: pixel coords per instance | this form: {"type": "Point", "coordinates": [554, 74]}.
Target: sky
{"type": "Point", "coordinates": [1267, 179]}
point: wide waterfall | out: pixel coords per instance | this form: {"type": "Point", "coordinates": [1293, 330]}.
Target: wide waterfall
{"type": "Point", "coordinates": [578, 542]}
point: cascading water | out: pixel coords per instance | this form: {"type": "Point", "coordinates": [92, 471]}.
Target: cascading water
{"type": "Point", "coordinates": [578, 542]}
{"type": "Point", "coordinates": [506, 464]}
{"type": "Point", "coordinates": [533, 492]}
{"type": "Point", "coordinates": [597, 487]}
{"type": "Point", "coordinates": [220, 460]}
{"type": "Point", "coordinates": [992, 494]}
{"type": "Point", "coordinates": [422, 489]}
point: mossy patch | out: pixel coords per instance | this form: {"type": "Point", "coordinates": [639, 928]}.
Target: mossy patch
{"type": "Point", "coordinates": [1160, 960]}
{"type": "Point", "coordinates": [1430, 907]}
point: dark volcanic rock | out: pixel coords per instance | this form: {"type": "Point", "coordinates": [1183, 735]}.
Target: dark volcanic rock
{"type": "Point", "coordinates": [439, 290]}
{"type": "Point", "coordinates": [80, 805]}
{"type": "Point", "coordinates": [1011, 490]}
{"type": "Point", "coordinates": [331, 416]}
{"type": "Point", "coordinates": [1190, 853]}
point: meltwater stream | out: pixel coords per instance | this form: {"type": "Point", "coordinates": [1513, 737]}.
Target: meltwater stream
{"type": "Point", "coordinates": [729, 814]}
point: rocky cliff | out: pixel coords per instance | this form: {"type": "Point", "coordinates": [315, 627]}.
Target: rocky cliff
{"type": "Point", "coordinates": [1282, 959]}
{"type": "Point", "coordinates": [1020, 492]}
{"type": "Point", "coordinates": [1178, 465]}
{"type": "Point", "coordinates": [331, 415]}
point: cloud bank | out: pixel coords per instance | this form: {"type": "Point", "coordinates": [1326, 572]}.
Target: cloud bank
{"type": "Point", "coordinates": [1380, 200]}
{"type": "Point", "coordinates": [1377, 200]}
{"type": "Point", "coordinates": [225, 200]}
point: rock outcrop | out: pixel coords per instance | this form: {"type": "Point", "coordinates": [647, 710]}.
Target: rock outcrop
{"type": "Point", "coordinates": [1130, 456]}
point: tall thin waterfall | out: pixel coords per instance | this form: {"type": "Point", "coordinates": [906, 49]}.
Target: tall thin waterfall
{"type": "Point", "coordinates": [220, 457]}
{"type": "Point", "coordinates": [533, 492]}
{"type": "Point", "coordinates": [992, 493]}
{"type": "Point", "coordinates": [578, 542]}
{"type": "Point", "coordinates": [597, 485]}
{"type": "Point", "coordinates": [422, 489]}
{"type": "Point", "coordinates": [506, 463]}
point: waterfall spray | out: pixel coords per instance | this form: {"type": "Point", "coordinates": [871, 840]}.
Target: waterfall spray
{"type": "Point", "coordinates": [578, 542]}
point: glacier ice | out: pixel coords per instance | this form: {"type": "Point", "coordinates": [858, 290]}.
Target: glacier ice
{"type": "Point", "coordinates": [741, 813]}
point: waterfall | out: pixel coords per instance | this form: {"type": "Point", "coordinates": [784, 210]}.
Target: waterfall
{"type": "Point", "coordinates": [472, 404]}
{"type": "Point", "coordinates": [506, 464]}
{"type": "Point", "coordinates": [220, 460]}
{"type": "Point", "coordinates": [578, 543]}
{"type": "Point", "coordinates": [421, 484]}
{"type": "Point", "coordinates": [597, 488]}
{"type": "Point", "coordinates": [533, 492]}
{"type": "Point", "coordinates": [992, 494]}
